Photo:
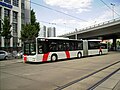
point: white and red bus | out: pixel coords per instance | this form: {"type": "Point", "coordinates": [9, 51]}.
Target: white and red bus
{"type": "Point", "coordinates": [52, 49]}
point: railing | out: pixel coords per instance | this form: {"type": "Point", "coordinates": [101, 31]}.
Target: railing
{"type": "Point", "coordinates": [94, 26]}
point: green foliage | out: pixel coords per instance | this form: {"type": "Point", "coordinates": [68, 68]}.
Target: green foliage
{"type": "Point", "coordinates": [33, 18]}
{"type": "Point", "coordinates": [33, 21]}
{"type": "Point", "coordinates": [118, 43]}
{"type": "Point", "coordinates": [0, 28]}
{"type": "Point", "coordinates": [30, 31]}
{"type": "Point", "coordinates": [6, 32]}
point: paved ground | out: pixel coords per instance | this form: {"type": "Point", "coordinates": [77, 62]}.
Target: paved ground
{"type": "Point", "coordinates": [16, 75]}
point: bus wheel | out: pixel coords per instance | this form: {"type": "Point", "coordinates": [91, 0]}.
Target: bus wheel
{"type": "Point", "coordinates": [6, 58]}
{"type": "Point", "coordinates": [79, 55]}
{"type": "Point", "coordinates": [100, 53]}
{"type": "Point", "coordinates": [54, 57]}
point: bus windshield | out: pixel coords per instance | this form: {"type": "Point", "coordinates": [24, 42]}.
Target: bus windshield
{"type": "Point", "coordinates": [42, 46]}
{"type": "Point", "coordinates": [103, 45]}
{"type": "Point", "coordinates": [30, 48]}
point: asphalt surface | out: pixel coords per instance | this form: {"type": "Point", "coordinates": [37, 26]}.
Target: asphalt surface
{"type": "Point", "coordinates": [16, 75]}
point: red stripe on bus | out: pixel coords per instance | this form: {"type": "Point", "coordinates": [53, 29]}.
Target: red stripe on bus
{"type": "Point", "coordinates": [67, 54]}
{"type": "Point", "coordinates": [25, 58]}
{"type": "Point", "coordinates": [45, 57]}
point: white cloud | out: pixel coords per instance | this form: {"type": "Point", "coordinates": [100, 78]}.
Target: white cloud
{"type": "Point", "coordinates": [79, 5]}
{"type": "Point", "coordinates": [64, 21]}
{"type": "Point", "coordinates": [69, 25]}
{"type": "Point", "coordinates": [64, 26]}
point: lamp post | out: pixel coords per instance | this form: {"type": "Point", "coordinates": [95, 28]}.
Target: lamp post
{"type": "Point", "coordinates": [65, 27]}
{"type": "Point", "coordinates": [112, 9]}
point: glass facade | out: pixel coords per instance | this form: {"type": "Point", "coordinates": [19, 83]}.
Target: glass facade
{"type": "Point", "coordinates": [22, 16]}
{"type": "Point", "coordinates": [15, 28]}
{"type": "Point", "coordinates": [15, 40]}
{"type": "Point", "coordinates": [22, 5]}
{"type": "Point", "coordinates": [15, 16]}
{"type": "Point", "coordinates": [0, 13]}
{"type": "Point", "coordinates": [7, 1]}
{"type": "Point", "coordinates": [6, 13]}
{"type": "Point", "coordinates": [0, 24]}
{"type": "Point", "coordinates": [16, 3]}
{"type": "Point", "coordinates": [16, 11]}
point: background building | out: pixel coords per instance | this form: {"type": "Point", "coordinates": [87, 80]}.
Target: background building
{"type": "Point", "coordinates": [51, 32]}
{"type": "Point", "coordinates": [47, 31]}
{"type": "Point", "coordinates": [19, 13]}
{"type": "Point", "coordinates": [43, 31]}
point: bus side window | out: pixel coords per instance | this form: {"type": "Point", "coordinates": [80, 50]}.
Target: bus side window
{"type": "Point", "coordinates": [80, 46]}
{"type": "Point", "coordinates": [40, 49]}
{"type": "Point", "coordinates": [67, 46]}
{"type": "Point", "coordinates": [59, 47]}
{"type": "Point", "coordinates": [72, 46]}
{"type": "Point", "coordinates": [53, 46]}
{"type": "Point", "coordinates": [103, 46]}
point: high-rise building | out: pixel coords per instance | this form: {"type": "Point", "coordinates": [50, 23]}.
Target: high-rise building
{"type": "Point", "coordinates": [43, 31]}
{"type": "Point", "coordinates": [47, 32]}
{"type": "Point", "coordinates": [19, 13]}
{"type": "Point", "coordinates": [51, 32]}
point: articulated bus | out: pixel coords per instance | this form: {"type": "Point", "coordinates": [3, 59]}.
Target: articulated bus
{"type": "Point", "coordinates": [53, 49]}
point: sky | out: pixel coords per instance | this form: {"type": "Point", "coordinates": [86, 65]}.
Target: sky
{"type": "Point", "coordinates": [70, 15]}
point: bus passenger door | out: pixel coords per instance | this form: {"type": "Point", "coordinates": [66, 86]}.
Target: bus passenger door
{"type": "Point", "coordinates": [85, 48]}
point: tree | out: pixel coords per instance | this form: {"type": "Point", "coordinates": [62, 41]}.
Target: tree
{"type": "Point", "coordinates": [34, 21]}
{"type": "Point", "coordinates": [33, 18]}
{"type": "Point", "coordinates": [30, 31]}
{"type": "Point", "coordinates": [0, 27]}
{"type": "Point", "coordinates": [5, 31]}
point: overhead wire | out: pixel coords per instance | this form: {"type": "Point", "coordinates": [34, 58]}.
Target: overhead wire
{"type": "Point", "coordinates": [66, 13]}
{"type": "Point", "coordinates": [51, 23]}
{"type": "Point", "coordinates": [57, 11]}
{"type": "Point", "coordinates": [110, 7]}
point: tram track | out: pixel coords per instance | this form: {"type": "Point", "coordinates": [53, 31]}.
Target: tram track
{"type": "Point", "coordinates": [89, 75]}
{"type": "Point", "coordinates": [102, 80]}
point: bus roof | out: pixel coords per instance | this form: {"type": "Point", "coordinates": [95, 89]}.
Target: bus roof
{"type": "Point", "coordinates": [58, 38]}
{"type": "Point", "coordinates": [94, 40]}
{"type": "Point", "coordinates": [53, 37]}
{"type": "Point", "coordinates": [62, 38]}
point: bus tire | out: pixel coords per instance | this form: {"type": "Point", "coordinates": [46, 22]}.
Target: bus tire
{"type": "Point", "coordinates": [54, 57]}
{"type": "Point", "coordinates": [100, 53]}
{"type": "Point", "coordinates": [6, 58]}
{"type": "Point", "coordinates": [79, 55]}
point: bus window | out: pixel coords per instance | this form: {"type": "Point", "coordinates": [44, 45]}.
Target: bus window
{"type": "Point", "coordinates": [93, 44]}
{"type": "Point", "coordinates": [60, 47]}
{"type": "Point", "coordinates": [72, 46]}
{"type": "Point", "coordinates": [103, 46]}
{"type": "Point", "coordinates": [53, 46]}
{"type": "Point", "coordinates": [32, 48]}
{"type": "Point", "coordinates": [80, 45]}
{"type": "Point", "coordinates": [67, 46]}
{"type": "Point", "coordinates": [40, 49]}
{"type": "Point", "coordinates": [29, 48]}
{"type": "Point", "coordinates": [26, 49]}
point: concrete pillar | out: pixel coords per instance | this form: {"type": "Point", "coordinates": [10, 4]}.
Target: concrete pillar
{"type": "Point", "coordinates": [2, 11]}
{"type": "Point", "coordinates": [114, 44]}
{"type": "Point", "coordinates": [76, 36]}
